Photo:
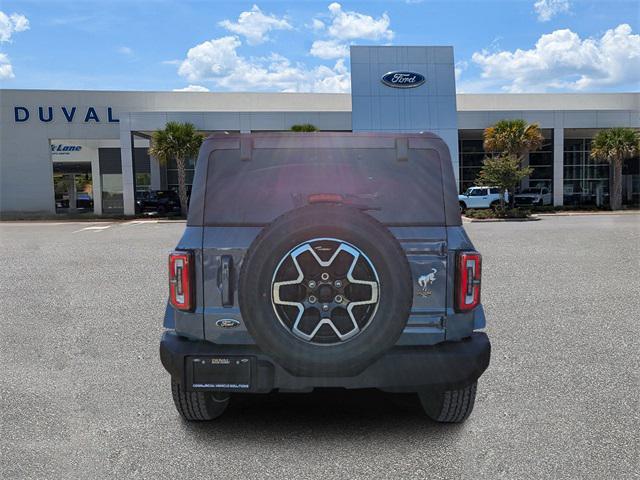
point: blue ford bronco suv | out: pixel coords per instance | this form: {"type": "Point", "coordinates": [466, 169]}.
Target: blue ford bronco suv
{"type": "Point", "coordinates": [324, 260]}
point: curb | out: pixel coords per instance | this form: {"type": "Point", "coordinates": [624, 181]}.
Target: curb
{"type": "Point", "coordinates": [496, 220]}
{"type": "Point", "coordinates": [90, 220]}
{"type": "Point", "coordinates": [570, 214]}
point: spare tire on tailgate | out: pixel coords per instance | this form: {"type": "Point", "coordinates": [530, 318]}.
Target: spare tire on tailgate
{"type": "Point", "coordinates": [325, 290]}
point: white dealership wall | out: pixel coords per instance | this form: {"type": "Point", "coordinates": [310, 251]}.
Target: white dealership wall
{"type": "Point", "coordinates": [26, 180]}
{"type": "Point", "coordinates": [26, 183]}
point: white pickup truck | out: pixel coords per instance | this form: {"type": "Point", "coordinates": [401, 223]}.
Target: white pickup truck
{"type": "Point", "coordinates": [534, 196]}
{"type": "Point", "coordinates": [481, 197]}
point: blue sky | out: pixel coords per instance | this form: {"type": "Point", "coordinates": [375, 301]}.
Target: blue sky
{"type": "Point", "coordinates": [500, 46]}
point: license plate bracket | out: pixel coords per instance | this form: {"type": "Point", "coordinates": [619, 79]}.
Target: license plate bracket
{"type": "Point", "coordinates": [220, 373]}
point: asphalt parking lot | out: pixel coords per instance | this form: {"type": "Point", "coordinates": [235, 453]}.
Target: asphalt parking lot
{"type": "Point", "coordinates": [83, 394]}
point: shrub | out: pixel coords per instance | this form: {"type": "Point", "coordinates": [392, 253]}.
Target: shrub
{"type": "Point", "coordinates": [498, 213]}
{"type": "Point", "coordinates": [304, 127]}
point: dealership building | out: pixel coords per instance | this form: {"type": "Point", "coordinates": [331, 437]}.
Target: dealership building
{"type": "Point", "coordinates": [66, 151]}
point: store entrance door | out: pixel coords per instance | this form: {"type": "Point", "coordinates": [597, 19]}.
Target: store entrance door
{"type": "Point", "coordinates": [73, 187]}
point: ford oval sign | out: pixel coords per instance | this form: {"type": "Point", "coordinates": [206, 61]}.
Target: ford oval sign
{"type": "Point", "coordinates": [227, 323]}
{"type": "Point", "coordinates": [403, 79]}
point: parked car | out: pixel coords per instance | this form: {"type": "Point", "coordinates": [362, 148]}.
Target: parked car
{"type": "Point", "coordinates": [84, 200]}
{"type": "Point", "coordinates": [162, 202]}
{"type": "Point", "coordinates": [301, 267]}
{"type": "Point", "coordinates": [537, 196]}
{"type": "Point", "coordinates": [62, 200]}
{"type": "Point", "coordinates": [481, 197]}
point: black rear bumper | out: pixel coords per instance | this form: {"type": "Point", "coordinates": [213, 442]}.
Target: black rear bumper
{"type": "Point", "coordinates": [245, 368]}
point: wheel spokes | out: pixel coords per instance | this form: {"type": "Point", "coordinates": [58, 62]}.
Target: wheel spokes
{"type": "Point", "coordinates": [313, 286]}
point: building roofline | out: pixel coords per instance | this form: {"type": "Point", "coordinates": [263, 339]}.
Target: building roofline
{"type": "Point", "coordinates": [547, 101]}
{"type": "Point", "coordinates": [341, 102]}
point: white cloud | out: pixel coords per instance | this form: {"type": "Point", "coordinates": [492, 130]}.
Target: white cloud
{"type": "Point", "coordinates": [547, 9]}
{"type": "Point", "coordinates": [329, 49]}
{"type": "Point", "coordinates": [346, 25]}
{"type": "Point", "coordinates": [10, 24]}
{"type": "Point", "coordinates": [125, 51]}
{"type": "Point", "coordinates": [562, 60]}
{"type": "Point", "coordinates": [209, 59]}
{"type": "Point", "coordinates": [254, 25]}
{"type": "Point", "coordinates": [192, 88]}
{"type": "Point", "coordinates": [6, 70]}
{"type": "Point", "coordinates": [217, 61]}
{"type": "Point", "coordinates": [317, 25]}
{"type": "Point", "coordinates": [460, 67]}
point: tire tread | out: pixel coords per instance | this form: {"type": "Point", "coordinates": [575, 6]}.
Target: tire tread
{"type": "Point", "coordinates": [193, 406]}
{"type": "Point", "coordinates": [451, 406]}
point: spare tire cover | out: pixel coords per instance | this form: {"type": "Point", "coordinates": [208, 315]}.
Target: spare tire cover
{"type": "Point", "coordinates": [325, 290]}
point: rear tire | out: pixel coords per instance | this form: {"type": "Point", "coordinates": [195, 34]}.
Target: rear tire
{"type": "Point", "coordinates": [331, 224]}
{"type": "Point", "coordinates": [198, 406]}
{"type": "Point", "coordinates": [450, 406]}
{"type": "Point", "coordinates": [463, 207]}
{"type": "Point", "coordinates": [494, 205]}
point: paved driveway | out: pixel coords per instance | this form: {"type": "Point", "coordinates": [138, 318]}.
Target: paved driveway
{"type": "Point", "coordinates": [83, 394]}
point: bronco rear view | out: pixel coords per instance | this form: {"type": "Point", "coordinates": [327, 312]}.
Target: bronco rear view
{"type": "Point", "coordinates": [324, 260]}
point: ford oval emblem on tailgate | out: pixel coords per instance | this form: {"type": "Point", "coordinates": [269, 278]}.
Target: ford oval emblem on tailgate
{"type": "Point", "coordinates": [227, 322]}
{"type": "Point", "coordinates": [403, 79]}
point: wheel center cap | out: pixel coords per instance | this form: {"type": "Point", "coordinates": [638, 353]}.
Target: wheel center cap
{"type": "Point", "coordinates": [325, 293]}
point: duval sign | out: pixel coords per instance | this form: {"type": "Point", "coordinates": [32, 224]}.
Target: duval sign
{"type": "Point", "coordinates": [403, 79]}
{"type": "Point", "coordinates": [47, 114]}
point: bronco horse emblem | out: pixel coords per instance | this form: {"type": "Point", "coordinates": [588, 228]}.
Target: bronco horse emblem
{"type": "Point", "coordinates": [425, 280]}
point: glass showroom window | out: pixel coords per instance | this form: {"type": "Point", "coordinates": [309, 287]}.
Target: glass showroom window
{"type": "Point", "coordinates": [631, 182]}
{"type": "Point", "coordinates": [542, 163]}
{"type": "Point", "coordinates": [142, 169]}
{"type": "Point", "coordinates": [472, 154]}
{"type": "Point", "coordinates": [586, 181]}
{"type": "Point", "coordinates": [471, 157]}
{"type": "Point", "coordinates": [172, 174]}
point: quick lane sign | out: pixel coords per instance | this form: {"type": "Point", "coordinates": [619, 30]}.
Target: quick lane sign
{"type": "Point", "coordinates": [403, 79]}
{"type": "Point", "coordinates": [62, 149]}
{"type": "Point", "coordinates": [47, 114]}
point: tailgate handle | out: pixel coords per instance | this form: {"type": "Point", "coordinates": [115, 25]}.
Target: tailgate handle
{"type": "Point", "coordinates": [226, 292]}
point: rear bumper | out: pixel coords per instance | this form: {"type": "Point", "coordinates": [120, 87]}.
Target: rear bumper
{"type": "Point", "coordinates": [444, 366]}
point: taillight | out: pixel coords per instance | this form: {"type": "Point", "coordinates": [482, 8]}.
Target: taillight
{"type": "Point", "coordinates": [181, 269]}
{"type": "Point", "coordinates": [325, 198]}
{"type": "Point", "coordinates": [468, 281]}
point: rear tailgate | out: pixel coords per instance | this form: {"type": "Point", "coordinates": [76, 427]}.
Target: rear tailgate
{"type": "Point", "coordinates": [404, 181]}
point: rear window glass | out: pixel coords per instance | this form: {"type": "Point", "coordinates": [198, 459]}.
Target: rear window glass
{"type": "Point", "coordinates": [275, 181]}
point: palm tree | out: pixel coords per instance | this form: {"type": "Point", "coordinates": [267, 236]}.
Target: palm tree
{"type": "Point", "coordinates": [178, 141]}
{"type": "Point", "coordinates": [614, 146]}
{"type": "Point", "coordinates": [514, 139]}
